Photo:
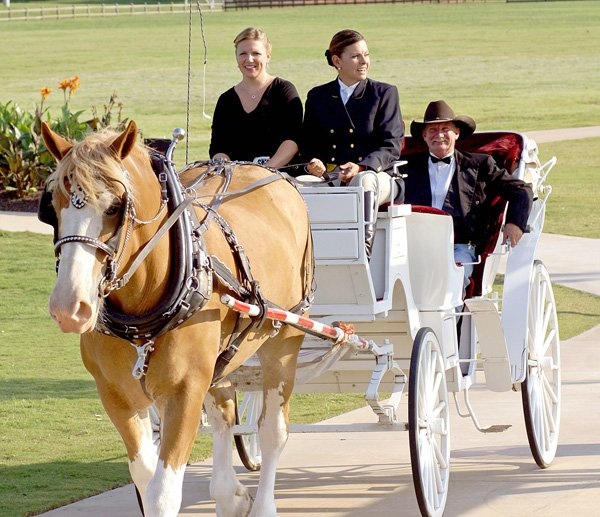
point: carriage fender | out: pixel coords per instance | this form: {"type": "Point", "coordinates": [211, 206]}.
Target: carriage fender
{"type": "Point", "coordinates": [517, 287]}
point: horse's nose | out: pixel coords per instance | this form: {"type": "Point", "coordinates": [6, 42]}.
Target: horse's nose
{"type": "Point", "coordinates": [76, 318]}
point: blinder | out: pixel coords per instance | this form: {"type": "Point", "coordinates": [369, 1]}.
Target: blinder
{"type": "Point", "coordinates": [47, 214]}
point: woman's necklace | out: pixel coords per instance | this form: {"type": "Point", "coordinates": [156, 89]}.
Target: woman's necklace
{"type": "Point", "coordinates": [255, 94]}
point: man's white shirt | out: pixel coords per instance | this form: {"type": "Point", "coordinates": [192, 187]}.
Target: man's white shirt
{"type": "Point", "coordinates": [440, 176]}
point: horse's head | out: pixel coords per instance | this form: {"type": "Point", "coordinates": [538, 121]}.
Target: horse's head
{"type": "Point", "coordinates": [88, 200]}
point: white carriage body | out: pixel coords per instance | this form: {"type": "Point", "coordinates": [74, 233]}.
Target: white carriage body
{"type": "Point", "coordinates": [411, 282]}
{"type": "Point", "coordinates": [407, 305]}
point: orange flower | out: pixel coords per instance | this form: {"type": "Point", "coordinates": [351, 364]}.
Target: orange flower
{"type": "Point", "coordinates": [45, 92]}
{"type": "Point", "coordinates": [74, 84]}
{"type": "Point", "coordinates": [63, 85]}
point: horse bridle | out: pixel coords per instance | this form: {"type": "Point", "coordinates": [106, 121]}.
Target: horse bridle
{"type": "Point", "coordinates": [114, 248]}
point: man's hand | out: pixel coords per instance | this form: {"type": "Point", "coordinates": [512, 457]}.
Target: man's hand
{"type": "Point", "coordinates": [512, 233]}
{"type": "Point", "coordinates": [315, 167]}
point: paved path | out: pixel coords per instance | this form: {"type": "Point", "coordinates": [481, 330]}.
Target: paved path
{"type": "Point", "coordinates": [369, 474]}
{"type": "Point", "coordinates": [555, 135]}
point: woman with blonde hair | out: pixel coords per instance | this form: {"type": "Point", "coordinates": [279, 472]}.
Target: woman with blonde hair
{"type": "Point", "coordinates": [260, 118]}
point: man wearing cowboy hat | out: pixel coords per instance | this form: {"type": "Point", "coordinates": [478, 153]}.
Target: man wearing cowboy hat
{"type": "Point", "coordinates": [459, 182]}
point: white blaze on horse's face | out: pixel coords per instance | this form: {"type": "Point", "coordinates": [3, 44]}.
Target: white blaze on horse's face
{"type": "Point", "coordinates": [74, 301]}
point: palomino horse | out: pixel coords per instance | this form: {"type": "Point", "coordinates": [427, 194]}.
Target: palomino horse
{"type": "Point", "coordinates": [107, 204]}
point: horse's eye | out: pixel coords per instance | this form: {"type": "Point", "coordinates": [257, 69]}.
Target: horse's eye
{"type": "Point", "coordinates": [114, 208]}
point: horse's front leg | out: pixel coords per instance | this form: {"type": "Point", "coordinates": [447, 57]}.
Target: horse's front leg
{"type": "Point", "coordinates": [125, 403]}
{"type": "Point", "coordinates": [231, 497]}
{"type": "Point", "coordinates": [278, 360]}
{"type": "Point", "coordinates": [180, 416]}
{"type": "Point", "coordinates": [140, 440]}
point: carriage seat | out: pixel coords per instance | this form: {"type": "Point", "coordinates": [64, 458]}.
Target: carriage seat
{"type": "Point", "coordinates": [506, 148]}
{"type": "Point", "coordinates": [436, 280]}
{"type": "Point", "coordinates": [341, 265]}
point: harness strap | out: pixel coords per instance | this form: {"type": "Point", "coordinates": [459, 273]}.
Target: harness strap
{"type": "Point", "coordinates": [151, 243]}
{"type": "Point", "coordinates": [225, 277]}
{"type": "Point", "coordinates": [248, 188]}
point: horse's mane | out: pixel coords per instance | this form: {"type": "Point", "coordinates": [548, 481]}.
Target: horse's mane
{"type": "Point", "coordinates": [92, 167]}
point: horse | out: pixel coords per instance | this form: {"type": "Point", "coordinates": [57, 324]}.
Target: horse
{"type": "Point", "coordinates": [115, 240]}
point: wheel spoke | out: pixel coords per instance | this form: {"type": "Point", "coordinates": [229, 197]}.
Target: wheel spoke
{"type": "Point", "coordinates": [549, 340]}
{"type": "Point", "coordinates": [539, 424]}
{"type": "Point", "coordinates": [243, 408]}
{"type": "Point", "coordinates": [422, 411]}
{"type": "Point", "coordinates": [431, 479]}
{"type": "Point", "coordinates": [547, 314]}
{"type": "Point", "coordinates": [439, 484]}
{"type": "Point", "coordinates": [548, 410]}
{"type": "Point", "coordinates": [436, 383]}
{"type": "Point", "coordinates": [550, 391]}
{"type": "Point", "coordinates": [435, 413]}
{"type": "Point", "coordinates": [441, 460]}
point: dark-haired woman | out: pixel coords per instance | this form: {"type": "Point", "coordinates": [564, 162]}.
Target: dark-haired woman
{"type": "Point", "coordinates": [260, 118]}
{"type": "Point", "coordinates": [353, 125]}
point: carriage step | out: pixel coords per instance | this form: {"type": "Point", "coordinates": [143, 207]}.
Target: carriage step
{"type": "Point", "coordinates": [492, 344]}
{"type": "Point", "coordinates": [496, 428]}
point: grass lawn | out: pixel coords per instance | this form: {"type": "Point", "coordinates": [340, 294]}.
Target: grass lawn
{"type": "Point", "coordinates": [520, 66]}
{"type": "Point", "coordinates": [572, 207]}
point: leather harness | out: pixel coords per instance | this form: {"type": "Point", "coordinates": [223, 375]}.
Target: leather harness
{"type": "Point", "coordinates": [191, 282]}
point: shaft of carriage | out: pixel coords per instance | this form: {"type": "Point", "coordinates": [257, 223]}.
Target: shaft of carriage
{"type": "Point", "coordinates": [338, 334]}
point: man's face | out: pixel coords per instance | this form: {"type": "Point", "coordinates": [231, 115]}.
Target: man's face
{"type": "Point", "coordinates": [440, 137]}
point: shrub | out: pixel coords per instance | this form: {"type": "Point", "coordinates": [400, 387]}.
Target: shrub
{"type": "Point", "coordinates": [24, 160]}
{"type": "Point", "coordinates": [25, 163]}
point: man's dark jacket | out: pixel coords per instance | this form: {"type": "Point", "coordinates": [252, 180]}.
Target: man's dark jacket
{"type": "Point", "coordinates": [368, 130]}
{"type": "Point", "coordinates": [477, 180]}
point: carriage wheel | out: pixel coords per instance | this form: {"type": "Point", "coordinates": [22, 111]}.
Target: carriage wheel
{"type": "Point", "coordinates": [429, 424]}
{"type": "Point", "coordinates": [247, 445]}
{"type": "Point", "coordinates": [541, 388]}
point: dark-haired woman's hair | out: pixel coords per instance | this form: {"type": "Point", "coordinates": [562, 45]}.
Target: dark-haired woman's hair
{"type": "Point", "coordinates": [340, 41]}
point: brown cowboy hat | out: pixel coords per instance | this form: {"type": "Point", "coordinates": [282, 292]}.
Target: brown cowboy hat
{"type": "Point", "coordinates": [439, 111]}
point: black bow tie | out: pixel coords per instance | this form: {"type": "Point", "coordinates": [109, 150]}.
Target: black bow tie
{"type": "Point", "coordinates": [435, 159]}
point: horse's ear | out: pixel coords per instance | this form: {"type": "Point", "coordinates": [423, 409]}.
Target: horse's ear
{"type": "Point", "coordinates": [57, 145]}
{"type": "Point", "coordinates": [123, 144]}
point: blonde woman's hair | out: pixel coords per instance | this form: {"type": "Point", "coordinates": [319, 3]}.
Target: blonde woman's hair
{"type": "Point", "coordinates": [253, 33]}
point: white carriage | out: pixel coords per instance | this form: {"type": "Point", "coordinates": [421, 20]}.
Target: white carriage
{"type": "Point", "coordinates": [407, 306]}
